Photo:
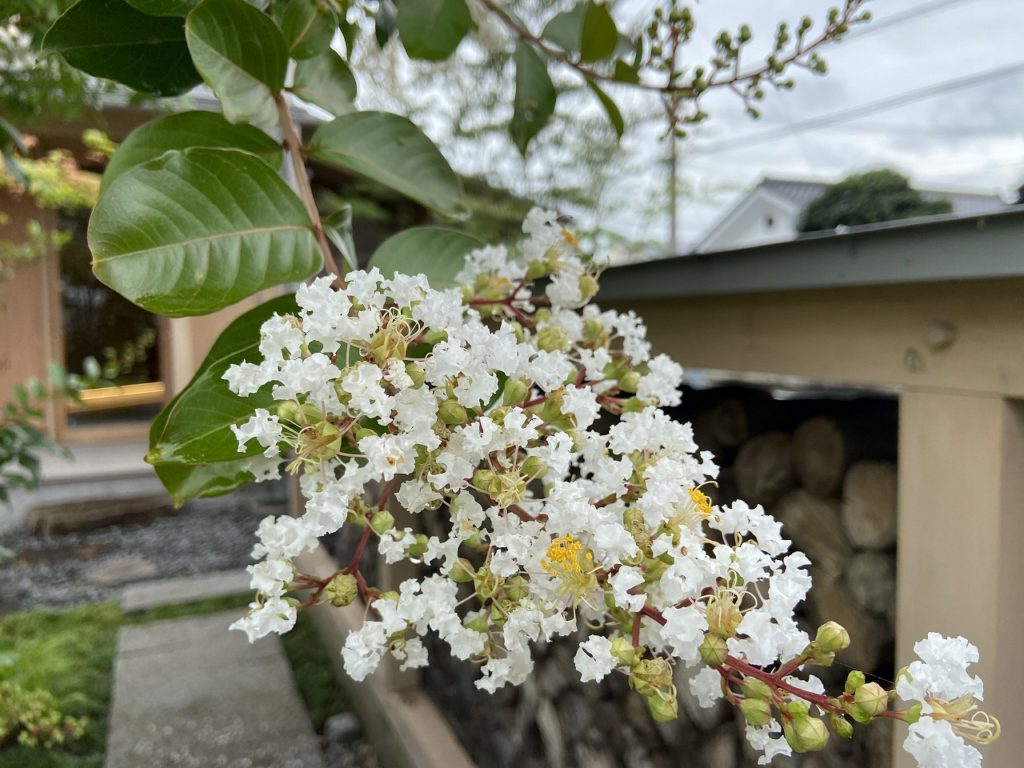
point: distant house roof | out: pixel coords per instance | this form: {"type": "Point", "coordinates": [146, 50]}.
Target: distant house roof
{"type": "Point", "coordinates": [804, 192]}
{"type": "Point", "coordinates": [793, 195]}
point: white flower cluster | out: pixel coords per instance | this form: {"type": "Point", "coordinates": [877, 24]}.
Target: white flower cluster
{"type": "Point", "coordinates": [482, 404]}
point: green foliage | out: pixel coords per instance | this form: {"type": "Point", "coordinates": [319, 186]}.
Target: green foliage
{"type": "Point", "coordinates": [587, 30]}
{"type": "Point", "coordinates": [391, 150]}
{"type": "Point", "coordinates": [113, 40]}
{"type": "Point", "coordinates": [33, 719]}
{"type": "Point", "coordinates": [326, 81]}
{"type": "Point", "coordinates": [535, 96]}
{"type": "Point", "coordinates": [241, 55]}
{"type": "Point", "coordinates": [164, 7]}
{"type": "Point", "coordinates": [191, 443]}
{"type": "Point", "coordinates": [307, 26]}
{"type": "Point", "coordinates": [432, 29]}
{"type": "Point", "coordinates": [194, 231]}
{"type": "Point", "coordinates": [868, 198]}
{"type": "Point", "coordinates": [433, 251]}
{"type": "Point", "coordinates": [185, 130]}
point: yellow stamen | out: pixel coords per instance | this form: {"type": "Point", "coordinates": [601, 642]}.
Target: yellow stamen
{"type": "Point", "coordinates": [702, 502]}
{"type": "Point", "coordinates": [572, 564]}
{"type": "Point", "coordinates": [570, 238]}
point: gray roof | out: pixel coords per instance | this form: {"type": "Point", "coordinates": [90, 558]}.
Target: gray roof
{"type": "Point", "coordinates": [804, 192]}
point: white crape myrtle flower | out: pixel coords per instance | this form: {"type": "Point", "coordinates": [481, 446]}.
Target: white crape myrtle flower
{"type": "Point", "coordinates": [482, 411]}
{"type": "Point", "coordinates": [934, 744]}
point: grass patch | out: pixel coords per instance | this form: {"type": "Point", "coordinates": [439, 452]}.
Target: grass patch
{"type": "Point", "coordinates": [314, 673]}
{"type": "Point", "coordinates": [71, 654]}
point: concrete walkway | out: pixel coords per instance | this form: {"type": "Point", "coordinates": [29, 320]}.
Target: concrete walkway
{"type": "Point", "coordinates": [190, 694]}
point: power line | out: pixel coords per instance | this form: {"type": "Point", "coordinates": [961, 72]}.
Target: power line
{"type": "Point", "coordinates": [877, 25]}
{"type": "Point", "coordinates": [854, 113]}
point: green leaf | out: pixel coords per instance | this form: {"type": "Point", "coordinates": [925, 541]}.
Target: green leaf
{"type": "Point", "coordinates": [195, 427]}
{"type": "Point", "coordinates": [599, 37]}
{"type": "Point", "coordinates": [338, 228]}
{"type": "Point", "coordinates": [192, 447]}
{"type": "Point", "coordinates": [199, 481]}
{"type": "Point", "coordinates": [326, 81]}
{"type": "Point", "coordinates": [625, 73]}
{"type": "Point", "coordinates": [11, 137]}
{"type": "Point", "coordinates": [242, 57]}
{"type": "Point", "coordinates": [610, 107]}
{"type": "Point", "coordinates": [384, 22]}
{"type": "Point", "coordinates": [182, 131]}
{"type": "Point", "coordinates": [307, 27]}
{"type": "Point", "coordinates": [435, 252]}
{"type": "Point", "coordinates": [432, 29]}
{"type": "Point", "coordinates": [535, 96]}
{"type": "Point", "coordinates": [391, 150]}
{"type": "Point", "coordinates": [111, 39]}
{"type": "Point", "coordinates": [164, 7]}
{"type": "Point", "coordinates": [194, 231]}
{"type": "Point", "coordinates": [565, 29]}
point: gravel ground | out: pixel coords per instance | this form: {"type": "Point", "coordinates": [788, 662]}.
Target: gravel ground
{"type": "Point", "coordinates": [205, 536]}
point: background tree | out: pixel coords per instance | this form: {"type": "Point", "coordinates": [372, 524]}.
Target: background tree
{"type": "Point", "coordinates": [868, 198]}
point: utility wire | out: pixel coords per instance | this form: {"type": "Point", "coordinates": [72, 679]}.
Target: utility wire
{"type": "Point", "coordinates": [877, 25]}
{"type": "Point", "coordinates": [854, 113]}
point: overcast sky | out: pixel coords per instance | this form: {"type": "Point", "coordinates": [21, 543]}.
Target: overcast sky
{"type": "Point", "coordinates": [969, 138]}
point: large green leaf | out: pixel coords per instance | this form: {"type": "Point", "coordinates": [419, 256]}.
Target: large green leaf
{"type": "Point", "coordinates": [190, 442]}
{"type": "Point", "coordinates": [241, 55]}
{"type": "Point", "coordinates": [391, 150]}
{"type": "Point", "coordinates": [435, 252]}
{"type": "Point", "coordinates": [588, 29]}
{"type": "Point", "coordinates": [432, 29]}
{"type": "Point", "coordinates": [535, 96]}
{"type": "Point", "coordinates": [164, 7]}
{"type": "Point", "coordinates": [610, 108]}
{"type": "Point", "coordinates": [196, 481]}
{"type": "Point", "coordinates": [192, 232]}
{"type": "Point", "coordinates": [182, 131]}
{"type": "Point", "coordinates": [565, 28]}
{"type": "Point", "coordinates": [307, 27]}
{"type": "Point", "coordinates": [111, 39]}
{"type": "Point", "coordinates": [326, 81]}
{"type": "Point", "coordinates": [195, 427]}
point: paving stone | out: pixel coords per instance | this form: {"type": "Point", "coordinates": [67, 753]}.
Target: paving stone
{"type": "Point", "coordinates": [184, 589]}
{"type": "Point", "coordinates": [120, 570]}
{"type": "Point", "coordinates": [76, 515]}
{"type": "Point", "coordinates": [190, 694]}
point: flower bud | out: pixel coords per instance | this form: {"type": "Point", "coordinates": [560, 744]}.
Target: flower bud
{"type": "Point", "coordinates": [515, 391]}
{"type": "Point", "coordinates": [533, 467]}
{"type": "Point", "coordinates": [537, 269]}
{"type": "Point", "coordinates": [288, 410]}
{"type": "Point", "coordinates": [805, 734]}
{"type": "Point", "coordinates": [382, 521]}
{"type": "Point", "coordinates": [462, 571]}
{"type": "Point", "coordinates": [517, 588]}
{"type": "Point", "coordinates": [435, 337]}
{"type": "Point", "coordinates": [633, 405]}
{"type": "Point", "coordinates": [854, 680]}
{"type": "Point", "coordinates": [756, 712]}
{"type": "Point", "coordinates": [624, 650]}
{"type": "Point", "coordinates": [832, 637]}
{"type": "Point", "coordinates": [869, 701]}
{"type": "Point", "coordinates": [478, 622]}
{"type": "Point", "coordinates": [415, 372]}
{"type": "Point", "coordinates": [588, 286]}
{"type": "Point", "coordinates": [452, 413]}
{"type": "Point", "coordinates": [755, 689]}
{"type": "Point", "coordinates": [629, 382]}
{"type": "Point", "coordinates": [486, 480]}
{"type": "Point", "coordinates": [664, 709]}
{"type": "Point", "coordinates": [341, 590]}
{"type": "Point", "coordinates": [419, 546]}
{"type": "Point", "coordinates": [593, 332]}
{"type": "Point", "coordinates": [650, 676]}
{"type": "Point", "coordinates": [713, 651]}
{"type": "Point", "coordinates": [551, 338]}
{"type": "Point", "coordinates": [842, 727]}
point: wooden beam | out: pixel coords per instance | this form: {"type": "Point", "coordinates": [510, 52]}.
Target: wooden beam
{"type": "Point", "coordinates": [951, 336]}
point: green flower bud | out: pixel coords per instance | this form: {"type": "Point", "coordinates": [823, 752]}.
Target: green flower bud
{"type": "Point", "coordinates": [756, 712]}
{"type": "Point", "coordinates": [419, 547]}
{"type": "Point", "coordinates": [633, 405]}
{"type": "Point", "coordinates": [382, 521]}
{"type": "Point", "coordinates": [462, 572]}
{"type": "Point", "coordinates": [650, 676]}
{"type": "Point", "coordinates": [542, 316]}
{"type": "Point", "coordinates": [478, 623]}
{"type": "Point", "coordinates": [452, 413]}
{"type": "Point", "coordinates": [664, 709]}
{"type": "Point", "coordinates": [515, 391]}
{"type": "Point", "coordinates": [805, 734]}
{"type": "Point", "coordinates": [713, 651]}
{"type": "Point", "coordinates": [854, 680]}
{"type": "Point", "coordinates": [624, 650]}
{"type": "Point", "coordinates": [588, 286]}
{"type": "Point", "coordinates": [435, 337]}
{"type": "Point", "coordinates": [537, 269]}
{"type": "Point", "coordinates": [517, 588]}
{"type": "Point", "coordinates": [415, 372]}
{"type": "Point", "coordinates": [629, 382]}
{"type": "Point", "coordinates": [341, 590]}
{"type": "Point", "coordinates": [533, 467]}
{"type": "Point", "coordinates": [842, 727]}
{"type": "Point", "coordinates": [486, 480]}
{"type": "Point", "coordinates": [832, 637]}
{"type": "Point", "coordinates": [869, 701]}
{"type": "Point", "coordinates": [723, 615]}
{"type": "Point", "coordinates": [593, 332]}
{"type": "Point", "coordinates": [551, 338]}
{"type": "Point", "coordinates": [797, 708]}
{"type": "Point", "coordinates": [755, 689]}
{"type": "Point", "coordinates": [288, 410]}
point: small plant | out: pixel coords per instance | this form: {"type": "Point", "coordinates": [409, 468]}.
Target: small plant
{"type": "Point", "coordinates": [33, 719]}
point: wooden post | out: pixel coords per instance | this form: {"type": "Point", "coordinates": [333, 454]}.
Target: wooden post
{"type": "Point", "coordinates": [961, 527]}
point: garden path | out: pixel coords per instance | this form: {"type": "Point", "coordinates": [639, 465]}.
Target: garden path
{"type": "Point", "coordinates": [190, 694]}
